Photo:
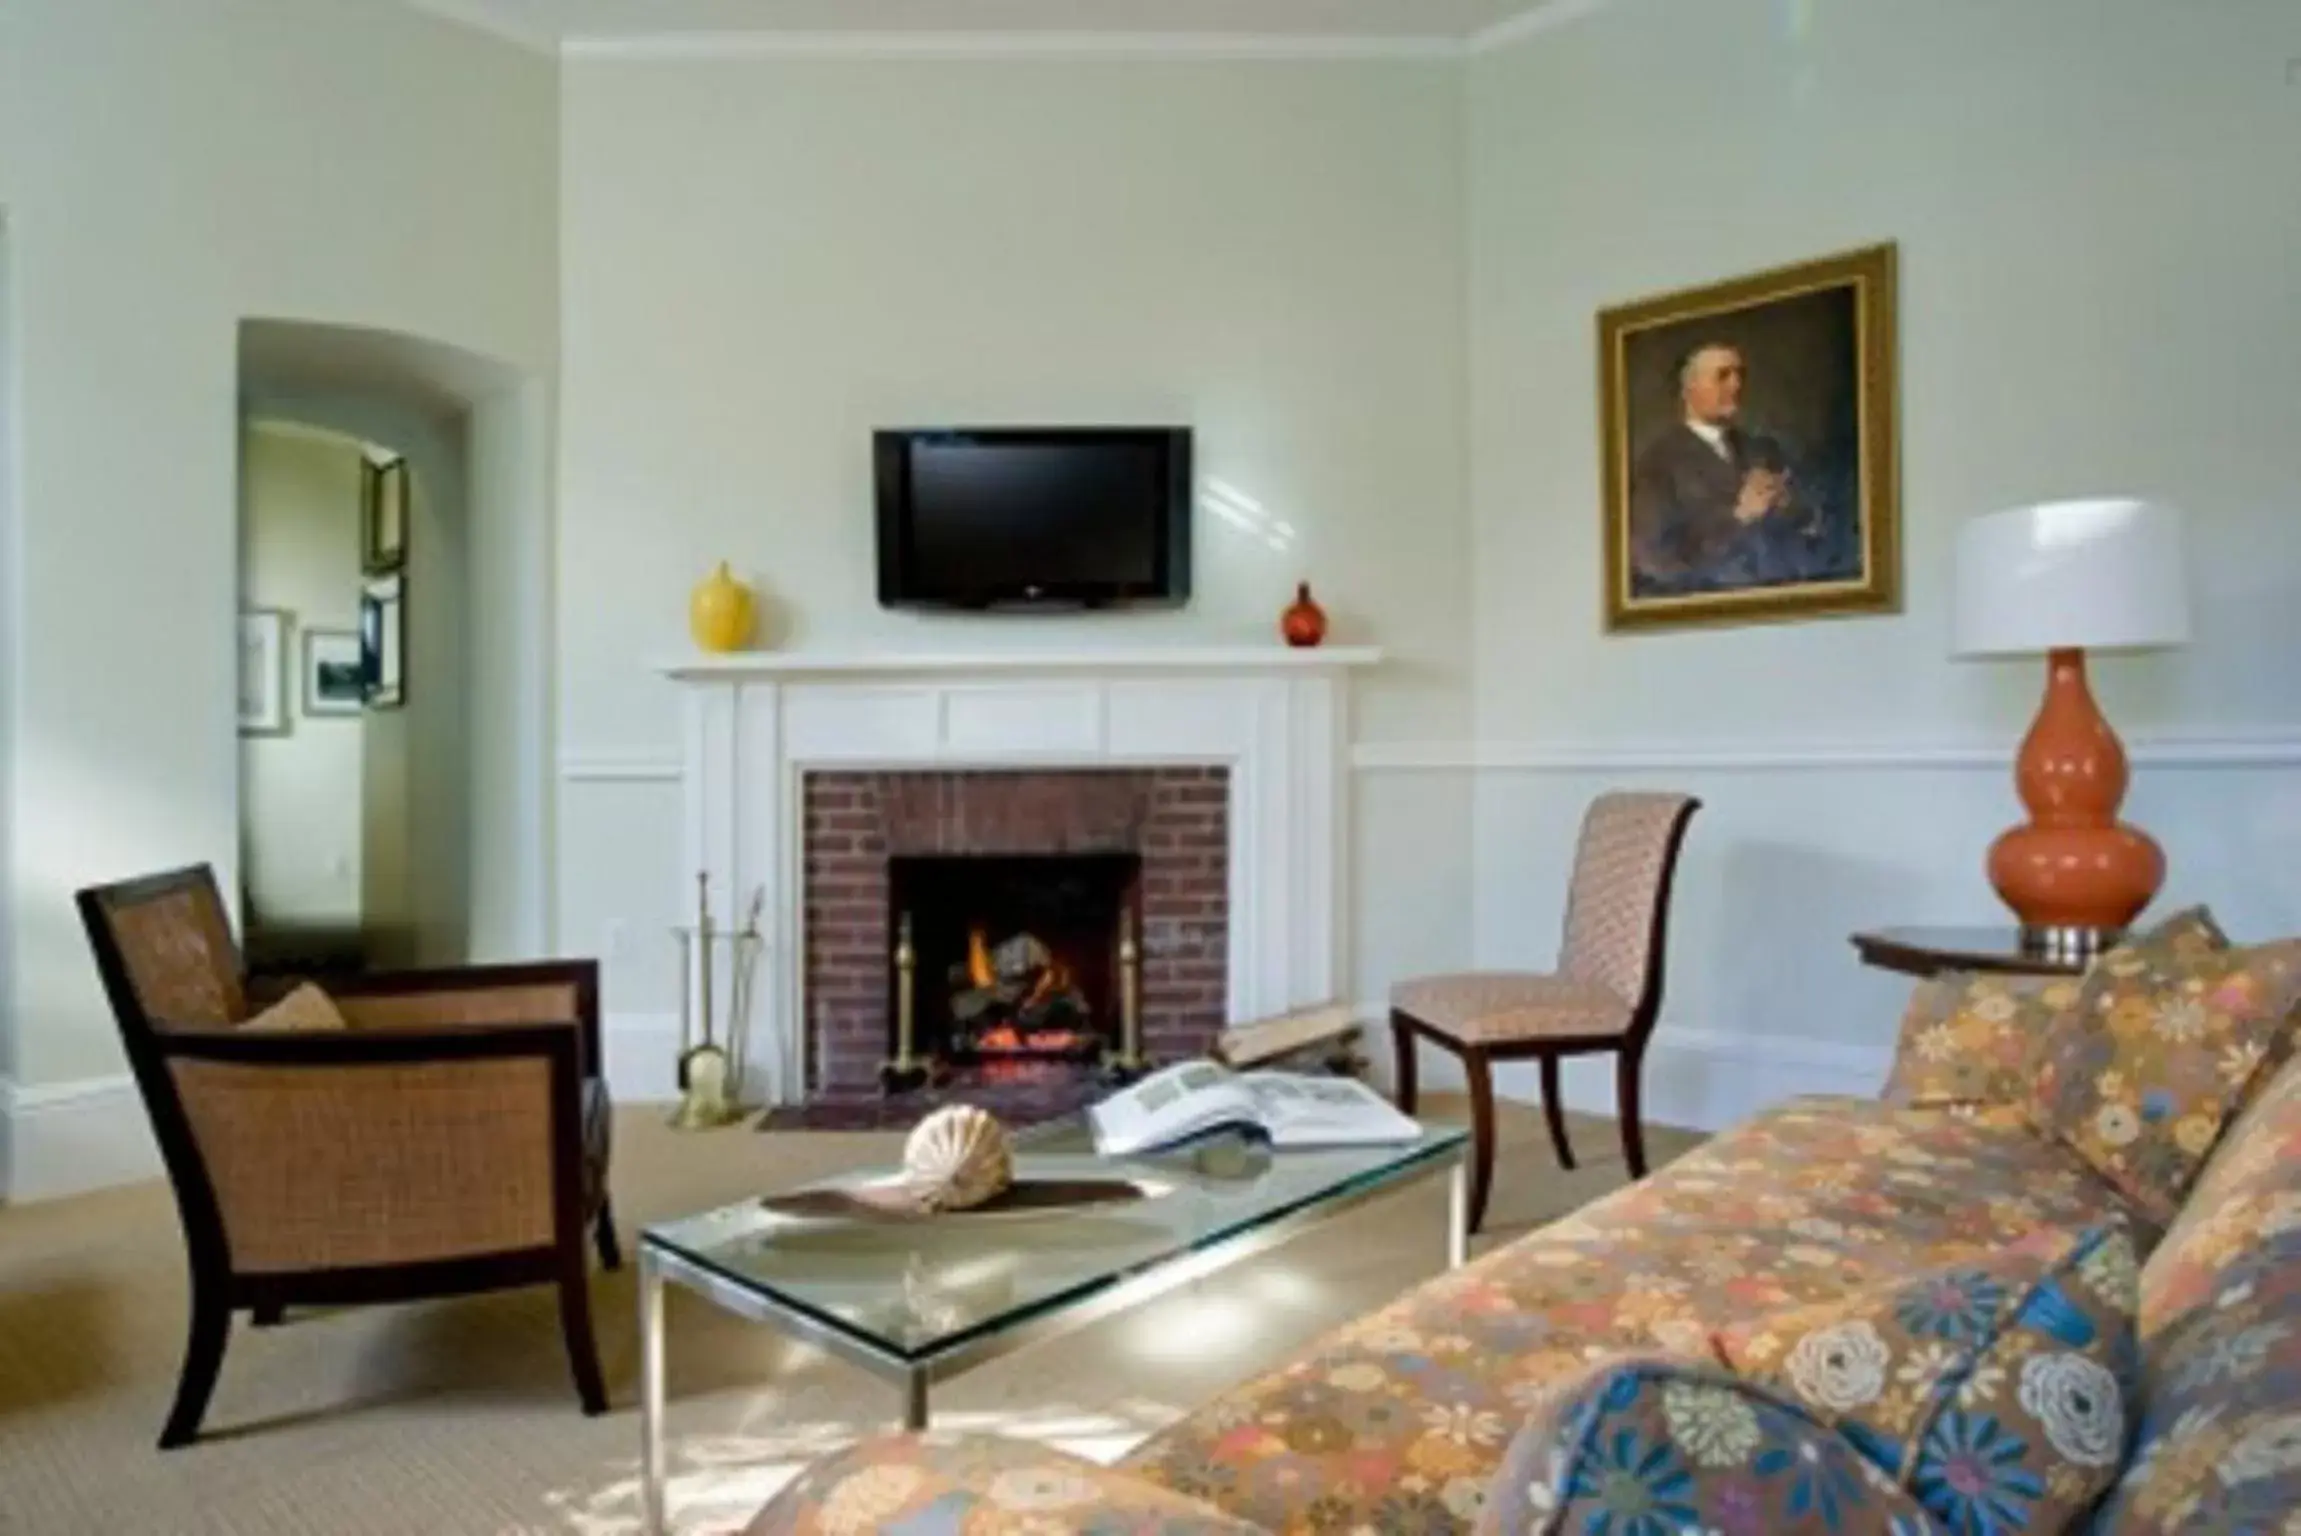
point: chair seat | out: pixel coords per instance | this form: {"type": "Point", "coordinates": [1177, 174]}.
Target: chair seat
{"type": "Point", "coordinates": [1497, 1007]}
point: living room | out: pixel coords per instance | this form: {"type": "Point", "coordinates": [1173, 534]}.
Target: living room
{"type": "Point", "coordinates": [697, 254]}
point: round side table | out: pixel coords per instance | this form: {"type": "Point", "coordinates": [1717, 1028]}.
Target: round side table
{"type": "Point", "coordinates": [1920, 951]}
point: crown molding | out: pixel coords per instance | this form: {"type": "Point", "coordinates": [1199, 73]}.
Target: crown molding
{"type": "Point", "coordinates": [669, 46]}
{"type": "Point", "coordinates": [1070, 46]}
{"type": "Point", "coordinates": [478, 18]}
{"type": "Point", "coordinates": [1545, 17]}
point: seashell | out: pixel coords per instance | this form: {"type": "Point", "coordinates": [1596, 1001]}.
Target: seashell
{"type": "Point", "coordinates": [957, 1158]}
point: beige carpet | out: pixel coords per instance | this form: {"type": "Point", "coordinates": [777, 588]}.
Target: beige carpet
{"type": "Point", "coordinates": [457, 1416]}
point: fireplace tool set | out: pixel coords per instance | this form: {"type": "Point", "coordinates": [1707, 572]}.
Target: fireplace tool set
{"type": "Point", "coordinates": [711, 1074]}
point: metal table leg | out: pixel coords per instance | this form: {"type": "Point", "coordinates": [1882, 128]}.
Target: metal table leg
{"type": "Point", "coordinates": [651, 1393]}
{"type": "Point", "coordinates": [915, 1402]}
{"type": "Point", "coordinates": [1458, 1215]}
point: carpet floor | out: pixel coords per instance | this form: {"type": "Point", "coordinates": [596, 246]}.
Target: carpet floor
{"type": "Point", "coordinates": [458, 1416]}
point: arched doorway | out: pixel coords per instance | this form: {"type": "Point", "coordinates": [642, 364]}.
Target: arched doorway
{"type": "Point", "coordinates": [450, 733]}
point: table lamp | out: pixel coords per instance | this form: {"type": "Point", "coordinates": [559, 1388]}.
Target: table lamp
{"type": "Point", "coordinates": [2063, 578]}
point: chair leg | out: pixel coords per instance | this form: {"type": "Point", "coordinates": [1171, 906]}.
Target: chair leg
{"type": "Point", "coordinates": [575, 1325]}
{"type": "Point", "coordinates": [1480, 1074]}
{"type": "Point", "coordinates": [203, 1358]}
{"type": "Point", "coordinates": [1402, 1048]}
{"type": "Point", "coordinates": [1626, 1073]}
{"type": "Point", "coordinates": [1554, 1110]}
{"type": "Point", "coordinates": [603, 1231]}
{"type": "Point", "coordinates": [269, 1314]}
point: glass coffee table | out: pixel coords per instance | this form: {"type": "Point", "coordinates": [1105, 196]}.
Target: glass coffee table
{"type": "Point", "coordinates": [920, 1301]}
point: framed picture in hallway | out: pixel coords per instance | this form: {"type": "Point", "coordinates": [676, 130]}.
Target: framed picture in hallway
{"type": "Point", "coordinates": [335, 680]}
{"type": "Point", "coordinates": [1748, 441]}
{"type": "Point", "coordinates": [263, 672]}
{"type": "Point", "coordinates": [383, 641]}
{"type": "Point", "coordinates": [383, 516]}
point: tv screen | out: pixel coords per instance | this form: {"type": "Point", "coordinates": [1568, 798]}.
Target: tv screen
{"type": "Point", "coordinates": [1054, 516]}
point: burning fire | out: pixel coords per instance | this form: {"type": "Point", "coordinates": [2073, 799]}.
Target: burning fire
{"type": "Point", "coordinates": [1053, 981]}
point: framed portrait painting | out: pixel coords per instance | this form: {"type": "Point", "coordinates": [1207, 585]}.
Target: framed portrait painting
{"type": "Point", "coordinates": [1749, 453]}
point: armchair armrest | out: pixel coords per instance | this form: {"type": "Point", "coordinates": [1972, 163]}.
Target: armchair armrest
{"type": "Point", "coordinates": [980, 1482]}
{"type": "Point", "coordinates": [328, 1151]}
{"type": "Point", "coordinates": [528, 992]}
{"type": "Point", "coordinates": [1686, 1445]}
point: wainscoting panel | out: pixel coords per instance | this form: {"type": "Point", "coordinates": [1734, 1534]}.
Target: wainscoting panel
{"type": "Point", "coordinates": [1795, 850]}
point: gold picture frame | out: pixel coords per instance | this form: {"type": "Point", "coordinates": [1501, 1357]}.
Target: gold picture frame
{"type": "Point", "coordinates": [1748, 435]}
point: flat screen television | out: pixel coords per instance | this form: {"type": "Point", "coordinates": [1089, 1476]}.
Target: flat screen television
{"type": "Point", "coordinates": [1033, 517]}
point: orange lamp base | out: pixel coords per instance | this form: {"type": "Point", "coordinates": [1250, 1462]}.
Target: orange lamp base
{"type": "Point", "coordinates": [2075, 869]}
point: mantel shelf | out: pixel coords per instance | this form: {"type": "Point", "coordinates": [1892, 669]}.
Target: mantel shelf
{"type": "Point", "coordinates": [740, 665]}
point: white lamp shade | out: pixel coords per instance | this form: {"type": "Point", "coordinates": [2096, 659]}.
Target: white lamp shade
{"type": "Point", "coordinates": [2092, 575]}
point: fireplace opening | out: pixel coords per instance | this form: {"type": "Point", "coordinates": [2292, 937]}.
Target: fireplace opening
{"type": "Point", "coordinates": [1014, 957]}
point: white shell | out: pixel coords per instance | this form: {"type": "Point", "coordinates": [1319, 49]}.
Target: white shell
{"type": "Point", "coordinates": [958, 1157]}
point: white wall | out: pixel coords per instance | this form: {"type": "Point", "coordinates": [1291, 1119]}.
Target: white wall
{"type": "Point", "coordinates": [1270, 252]}
{"type": "Point", "coordinates": [150, 205]}
{"type": "Point", "coordinates": [507, 659]}
{"type": "Point", "coordinates": [300, 790]}
{"type": "Point", "coordinates": [2095, 204]}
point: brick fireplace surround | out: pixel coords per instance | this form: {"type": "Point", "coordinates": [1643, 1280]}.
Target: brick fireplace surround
{"type": "Point", "coordinates": [853, 822]}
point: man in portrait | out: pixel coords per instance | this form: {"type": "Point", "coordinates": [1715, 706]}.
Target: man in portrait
{"type": "Point", "coordinates": [1717, 507]}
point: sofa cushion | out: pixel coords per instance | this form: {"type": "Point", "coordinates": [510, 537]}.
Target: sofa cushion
{"type": "Point", "coordinates": [2167, 1038]}
{"type": "Point", "coordinates": [2220, 1435]}
{"type": "Point", "coordinates": [1398, 1419]}
{"type": "Point", "coordinates": [930, 1485]}
{"type": "Point", "coordinates": [1652, 1444]}
{"type": "Point", "coordinates": [1994, 1389]}
{"type": "Point", "coordinates": [305, 1010]}
{"type": "Point", "coordinates": [1968, 1041]}
{"type": "Point", "coordinates": [2219, 1446]}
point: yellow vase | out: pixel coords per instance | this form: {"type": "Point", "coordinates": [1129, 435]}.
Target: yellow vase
{"type": "Point", "coordinates": [721, 611]}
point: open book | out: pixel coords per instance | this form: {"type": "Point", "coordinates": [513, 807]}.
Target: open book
{"type": "Point", "coordinates": [1195, 1097]}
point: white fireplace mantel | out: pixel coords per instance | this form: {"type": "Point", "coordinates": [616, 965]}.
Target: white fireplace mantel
{"type": "Point", "coordinates": [1276, 718]}
{"type": "Point", "coordinates": [779, 665]}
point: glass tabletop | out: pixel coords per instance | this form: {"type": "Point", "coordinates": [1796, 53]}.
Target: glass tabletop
{"type": "Point", "coordinates": [908, 1290]}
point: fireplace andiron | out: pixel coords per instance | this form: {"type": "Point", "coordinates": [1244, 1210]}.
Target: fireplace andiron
{"type": "Point", "coordinates": [908, 1070]}
{"type": "Point", "coordinates": [711, 1075]}
{"type": "Point", "coordinates": [1127, 1062]}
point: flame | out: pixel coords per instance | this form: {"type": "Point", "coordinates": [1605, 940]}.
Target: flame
{"type": "Point", "coordinates": [979, 959]}
{"type": "Point", "coordinates": [1055, 979]}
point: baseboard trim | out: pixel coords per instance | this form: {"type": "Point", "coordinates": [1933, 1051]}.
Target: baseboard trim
{"type": "Point", "coordinates": [68, 1138]}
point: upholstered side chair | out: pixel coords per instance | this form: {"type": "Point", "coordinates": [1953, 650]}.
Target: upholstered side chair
{"type": "Point", "coordinates": [442, 1132]}
{"type": "Point", "coordinates": [1603, 997]}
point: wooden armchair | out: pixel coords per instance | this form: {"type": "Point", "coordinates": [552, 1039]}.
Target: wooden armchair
{"type": "Point", "coordinates": [452, 1138]}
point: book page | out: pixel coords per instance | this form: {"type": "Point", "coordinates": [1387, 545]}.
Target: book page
{"type": "Point", "coordinates": [1170, 1104]}
{"type": "Point", "coordinates": [1303, 1110]}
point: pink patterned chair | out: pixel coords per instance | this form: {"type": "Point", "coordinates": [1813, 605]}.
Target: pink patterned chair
{"type": "Point", "coordinates": [1604, 995]}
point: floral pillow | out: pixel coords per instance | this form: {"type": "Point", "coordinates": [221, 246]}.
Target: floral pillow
{"type": "Point", "coordinates": [1994, 1391]}
{"type": "Point", "coordinates": [1968, 1039]}
{"type": "Point", "coordinates": [2168, 1038]}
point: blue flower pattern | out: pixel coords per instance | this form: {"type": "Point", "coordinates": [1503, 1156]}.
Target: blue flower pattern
{"type": "Point", "coordinates": [1974, 1475]}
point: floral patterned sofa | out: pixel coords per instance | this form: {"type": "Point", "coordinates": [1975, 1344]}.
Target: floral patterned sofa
{"type": "Point", "coordinates": [2050, 1281]}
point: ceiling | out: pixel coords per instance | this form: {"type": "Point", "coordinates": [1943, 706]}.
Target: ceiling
{"type": "Point", "coordinates": [608, 25]}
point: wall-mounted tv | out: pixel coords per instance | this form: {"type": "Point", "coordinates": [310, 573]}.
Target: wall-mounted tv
{"type": "Point", "coordinates": [1033, 517]}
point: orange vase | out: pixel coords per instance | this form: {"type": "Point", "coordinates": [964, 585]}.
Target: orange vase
{"type": "Point", "coordinates": [1304, 623]}
{"type": "Point", "coordinates": [2074, 865]}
